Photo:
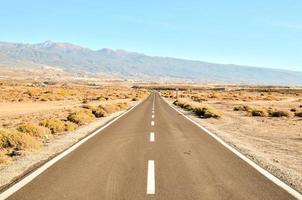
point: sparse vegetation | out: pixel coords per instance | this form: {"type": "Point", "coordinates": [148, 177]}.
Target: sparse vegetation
{"type": "Point", "coordinates": [81, 117]}
{"type": "Point", "coordinates": [34, 130]}
{"type": "Point", "coordinates": [56, 126]}
{"type": "Point", "coordinates": [279, 114]}
{"type": "Point", "coordinates": [199, 109]}
{"type": "Point", "coordinates": [242, 108]}
{"type": "Point", "coordinates": [11, 139]}
{"type": "Point", "coordinates": [30, 130]}
{"type": "Point", "coordinates": [298, 114]}
{"type": "Point", "coordinates": [258, 113]}
{"type": "Point", "coordinates": [99, 112]}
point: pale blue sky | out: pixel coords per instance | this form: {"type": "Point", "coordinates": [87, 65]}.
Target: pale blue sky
{"type": "Point", "coordinates": [252, 32]}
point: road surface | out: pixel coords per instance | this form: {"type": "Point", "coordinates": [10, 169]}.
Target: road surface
{"type": "Point", "coordinates": [152, 152]}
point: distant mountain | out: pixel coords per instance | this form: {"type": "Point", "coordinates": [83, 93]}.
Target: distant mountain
{"type": "Point", "coordinates": [138, 66]}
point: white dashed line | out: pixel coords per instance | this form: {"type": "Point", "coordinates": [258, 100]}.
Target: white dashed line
{"type": "Point", "coordinates": [151, 177]}
{"type": "Point", "coordinates": [152, 116]}
{"type": "Point", "coordinates": [152, 137]}
{"type": "Point", "coordinates": [152, 123]}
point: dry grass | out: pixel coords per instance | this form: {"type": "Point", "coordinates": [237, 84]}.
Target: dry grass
{"type": "Point", "coordinates": [56, 126]}
{"type": "Point", "coordinates": [56, 118]}
{"type": "Point", "coordinates": [81, 117]}
{"type": "Point", "coordinates": [242, 108]}
{"type": "Point", "coordinates": [10, 139]}
{"type": "Point", "coordinates": [34, 130]}
{"type": "Point", "coordinates": [198, 109]}
{"type": "Point", "coordinates": [99, 112]}
{"type": "Point", "coordinates": [258, 113]}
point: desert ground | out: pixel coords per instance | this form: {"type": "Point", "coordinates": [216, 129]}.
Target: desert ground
{"type": "Point", "coordinates": [263, 123]}
{"type": "Point", "coordinates": [33, 113]}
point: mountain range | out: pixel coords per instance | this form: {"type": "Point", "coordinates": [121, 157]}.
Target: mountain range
{"type": "Point", "coordinates": [137, 66]}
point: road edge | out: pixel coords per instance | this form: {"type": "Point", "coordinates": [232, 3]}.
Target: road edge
{"type": "Point", "coordinates": [261, 170]}
{"type": "Point", "coordinates": [32, 175]}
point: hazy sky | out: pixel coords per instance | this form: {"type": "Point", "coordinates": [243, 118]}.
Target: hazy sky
{"type": "Point", "coordinates": [252, 32]}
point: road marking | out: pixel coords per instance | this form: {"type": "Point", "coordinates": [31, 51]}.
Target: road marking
{"type": "Point", "coordinates": [264, 172]}
{"type": "Point", "coordinates": [152, 137]}
{"type": "Point", "coordinates": [152, 116]}
{"type": "Point", "coordinates": [151, 178]}
{"type": "Point", "coordinates": [152, 123]}
{"type": "Point", "coordinates": [14, 188]}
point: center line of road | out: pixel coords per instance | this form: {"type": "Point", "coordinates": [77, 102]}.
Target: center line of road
{"type": "Point", "coordinates": [151, 178]}
{"type": "Point", "coordinates": [152, 137]}
{"type": "Point", "coordinates": [152, 123]}
{"type": "Point", "coordinates": [152, 116]}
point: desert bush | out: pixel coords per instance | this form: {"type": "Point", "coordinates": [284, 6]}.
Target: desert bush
{"type": "Point", "coordinates": [55, 125]}
{"type": "Point", "coordinates": [198, 109]}
{"type": "Point", "coordinates": [122, 106]}
{"type": "Point", "coordinates": [258, 113]}
{"type": "Point", "coordinates": [85, 101]}
{"type": "Point", "coordinates": [70, 126]}
{"type": "Point", "coordinates": [293, 110]}
{"type": "Point", "coordinates": [81, 117]}
{"type": "Point", "coordinates": [99, 112]}
{"type": "Point", "coordinates": [134, 99]}
{"type": "Point", "coordinates": [298, 114]}
{"type": "Point", "coordinates": [206, 112]}
{"type": "Point", "coordinates": [279, 114]}
{"type": "Point", "coordinates": [17, 140]}
{"type": "Point", "coordinates": [242, 108]}
{"type": "Point", "coordinates": [34, 130]}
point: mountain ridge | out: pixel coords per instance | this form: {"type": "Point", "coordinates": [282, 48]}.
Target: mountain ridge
{"type": "Point", "coordinates": [134, 65]}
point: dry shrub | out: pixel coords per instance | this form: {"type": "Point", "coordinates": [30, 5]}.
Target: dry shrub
{"type": "Point", "coordinates": [99, 112]}
{"type": "Point", "coordinates": [298, 114]}
{"type": "Point", "coordinates": [109, 108]}
{"type": "Point", "coordinates": [279, 113]}
{"type": "Point", "coordinates": [55, 125]}
{"type": "Point", "coordinates": [198, 98]}
{"type": "Point", "coordinates": [34, 130]}
{"type": "Point", "coordinates": [134, 99]}
{"type": "Point", "coordinates": [206, 112]}
{"type": "Point", "coordinates": [258, 113]}
{"type": "Point", "coordinates": [198, 109]}
{"type": "Point", "coordinates": [242, 108]}
{"type": "Point", "coordinates": [70, 126]}
{"type": "Point", "coordinates": [81, 117]}
{"type": "Point", "coordinates": [123, 105]}
{"type": "Point", "coordinates": [17, 140]}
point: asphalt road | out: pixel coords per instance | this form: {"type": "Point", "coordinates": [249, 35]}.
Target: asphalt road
{"type": "Point", "coordinates": [169, 159]}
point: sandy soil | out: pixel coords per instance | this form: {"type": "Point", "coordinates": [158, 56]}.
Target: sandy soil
{"type": "Point", "coordinates": [24, 163]}
{"type": "Point", "coordinates": [14, 113]}
{"type": "Point", "coordinates": [273, 143]}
